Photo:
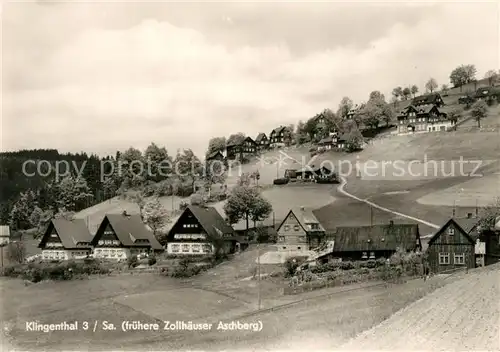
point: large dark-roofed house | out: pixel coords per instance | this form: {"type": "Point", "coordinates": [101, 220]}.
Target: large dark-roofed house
{"type": "Point", "coordinates": [433, 98]}
{"type": "Point", "coordinates": [122, 235]}
{"type": "Point", "coordinates": [201, 230]}
{"type": "Point", "coordinates": [65, 239]}
{"type": "Point", "coordinates": [262, 141]}
{"type": "Point", "coordinates": [372, 242]}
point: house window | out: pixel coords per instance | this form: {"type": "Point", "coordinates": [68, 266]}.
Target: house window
{"type": "Point", "coordinates": [372, 255]}
{"type": "Point", "coordinates": [195, 248]}
{"type": "Point", "coordinates": [282, 238]}
{"type": "Point", "coordinates": [451, 231]}
{"type": "Point", "coordinates": [185, 247]}
{"type": "Point", "coordinates": [459, 259]}
{"type": "Point", "coordinates": [364, 255]}
{"type": "Point", "coordinates": [286, 228]}
{"type": "Point", "coordinates": [296, 227]}
{"type": "Point", "coordinates": [444, 258]}
{"type": "Point", "coordinates": [175, 248]}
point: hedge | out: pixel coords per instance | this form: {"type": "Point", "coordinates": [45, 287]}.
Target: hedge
{"type": "Point", "coordinates": [67, 270]}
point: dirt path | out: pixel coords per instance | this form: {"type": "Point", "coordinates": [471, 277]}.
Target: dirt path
{"type": "Point", "coordinates": [341, 190]}
{"type": "Point", "coordinates": [463, 315]}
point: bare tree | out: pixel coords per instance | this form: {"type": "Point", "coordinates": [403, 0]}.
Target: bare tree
{"type": "Point", "coordinates": [431, 85]}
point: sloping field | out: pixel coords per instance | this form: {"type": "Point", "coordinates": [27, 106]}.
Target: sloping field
{"type": "Point", "coordinates": [462, 316]}
{"type": "Point", "coordinates": [480, 191]}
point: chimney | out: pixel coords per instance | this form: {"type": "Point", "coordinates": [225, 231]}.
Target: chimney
{"type": "Point", "coordinates": [454, 213]}
{"type": "Point", "coordinates": [302, 208]}
{"type": "Point", "coordinates": [469, 215]}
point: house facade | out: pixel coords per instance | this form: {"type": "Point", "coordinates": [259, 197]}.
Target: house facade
{"type": "Point", "coordinates": [428, 99]}
{"type": "Point", "coordinates": [372, 242]}
{"type": "Point", "coordinates": [262, 141]}
{"type": "Point", "coordinates": [328, 143]}
{"type": "Point", "coordinates": [216, 155]}
{"type": "Point", "coordinates": [121, 236]}
{"type": "Point", "coordinates": [4, 235]}
{"type": "Point", "coordinates": [299, 231]}
{"type": "Point", "coordinates": [66, 239]}
{"type": "Point", "coordinates": [200, 231]}
{"type": "Point", "coordinates": [241, 149]}
{"type": "Point", "coordinates": [486, 93]}
{"type": "Point", "coordinates": [424, 118]}
{"type": "Point", "coordinates": [278, 136]}
{"type": "Point", "coordinates": [453, 245]}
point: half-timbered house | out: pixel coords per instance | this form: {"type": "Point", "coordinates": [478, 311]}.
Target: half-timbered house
{"type": "Point", "coordinates": [300, 231]}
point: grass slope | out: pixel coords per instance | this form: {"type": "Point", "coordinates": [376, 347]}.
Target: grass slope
{"type": "Point", "coordinates": [461, 316]}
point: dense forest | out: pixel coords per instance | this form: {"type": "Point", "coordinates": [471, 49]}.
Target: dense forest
{"type": "Point", "coordinates": [19, 175]}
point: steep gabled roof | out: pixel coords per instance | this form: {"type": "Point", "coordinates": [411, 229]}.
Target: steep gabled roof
{"type": "Point", "coordinates": [70, 232]}
{"type": "Point", "coordinates": [304, 216]}
{"type": "Point", "coordinates": [211, 221]}
{"type": "Point", "coordinates": [260, 137]}
{"type": "Point", "coordinates": [278, 130]}
{"type": "Point", "coordinates": [426, 99]}
{"type": "Point", "coordinates": [250, 139]}
{"type": "Point", "coordinates": [426, 108]}
{"type": "Point", "coordinates": [376, 237]}
{"type": "Point", "coordinates": [465, 225]}
{"type": "Point", "coordinates": [326, 140]}
{"type": "Point", "coordinates": [130, 228]}
{"type": "Point", "coordinates": [214, 154]}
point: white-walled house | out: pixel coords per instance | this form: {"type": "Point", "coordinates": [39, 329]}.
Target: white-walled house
{"type": "Point", "coordinates": [198, 231]}
{"type": "Point", "coordinates": [66, 239]}
{"type": "Point", "coordinates": [121, 236]}
{"type": "Point", "coordinates": [4, 235]}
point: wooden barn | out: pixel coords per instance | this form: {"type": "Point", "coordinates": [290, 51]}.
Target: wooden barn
{"type": "Point", "coordinates": [453, 245]}
{"type": "Point", "coordinates": [373, 242]}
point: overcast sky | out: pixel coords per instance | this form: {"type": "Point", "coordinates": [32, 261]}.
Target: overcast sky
{"type": "Point", "coordinates": [103, 77]}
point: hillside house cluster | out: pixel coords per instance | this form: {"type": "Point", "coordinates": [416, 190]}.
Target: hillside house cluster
{"type": "Point", "coordinates": [424, 115]}
{"type": "Point", "coordinates": [301, 230]}
{"type": "Point", "coordinates": [199, 230]}
{"type": "Point", "coordinates": [459, 243]}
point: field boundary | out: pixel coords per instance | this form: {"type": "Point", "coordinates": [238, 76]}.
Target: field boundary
{"type": "Point", "coordinates": [341, 189]}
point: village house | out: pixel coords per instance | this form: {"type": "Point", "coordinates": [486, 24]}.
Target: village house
{"type": "Point", "coordinates": [66, 239]}
{"type": "Point", "coordinates": [372, 242]}
{"type": "Point", "coordinates": [216, 155]}
{"type": "Point", "coordinates": [342, 141]}
{"type": "Point", "coordinates": [262, 141]}
{"type": "Point", "coordinates": [424, 118]}
{"type": "Point", "coordinates": [4, 235]}
{"type": "Point", "coordinates": [300, 231]}
{"type": "Point", "coordinates": [201, 230]}
{"type": "Point", "coordinates": [328, 143]}
{"type": "Point", "coordinates": [278, 136]}
{"type": "Point", "coordinates": [312, 172]}
{"type": "Point", "coordinates": [121, 236]}
{"type": "Point", "coordinates": [453, 245]}
{"type": "Point", "coordinates": [486, 93]}
{"type": "Point", "coordinates": [490, 238]}
{"type": "Point", "coordinates": [428, 99]}
{"type": "Point", "coordinates": [241, 149]}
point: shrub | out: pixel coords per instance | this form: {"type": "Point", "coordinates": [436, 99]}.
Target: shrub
{"type": "Point", "coordinates": [280, 181]}
{"type": "Point", "coordinates": [291, 265]}
{"type": "Point", "coordinates": [151, 261]}
{"type": "Point", "coordinates": [183, 205]}
{"type": "Point", "coordinates": [132, 261]}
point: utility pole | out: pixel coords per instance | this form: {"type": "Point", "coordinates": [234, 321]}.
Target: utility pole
{"type": "Point", "coordinates": [371, 215]}
{"type": "Point", "coordinates": [258, 278]}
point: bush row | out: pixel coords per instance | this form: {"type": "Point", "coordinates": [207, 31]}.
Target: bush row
{"type": "Point", "coordinates": [67, 270]}
{"type": "Point", "coordinates": [348, 265]}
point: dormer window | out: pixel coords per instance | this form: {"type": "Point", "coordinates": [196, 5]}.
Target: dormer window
{"type": "Point", "coordinates": [451, 231]}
